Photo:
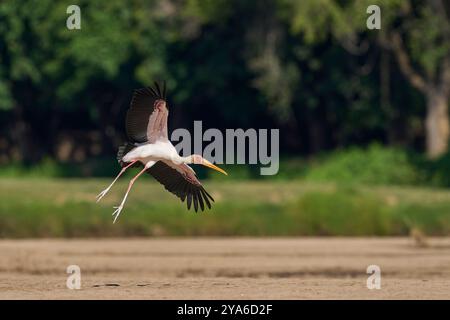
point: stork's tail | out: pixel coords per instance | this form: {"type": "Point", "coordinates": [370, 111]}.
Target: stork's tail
{"type": "Point", "coordinates": [123, 150]}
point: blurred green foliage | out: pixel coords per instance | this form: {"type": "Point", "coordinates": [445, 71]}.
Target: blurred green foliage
{"type": "Point", "coordinates": [343, 212]}
{"type": "Point", "coordinates": [308, 67]}
{"type": "Point", "coordinates": [373, 165]}
{"type": "Point", "coordinates": [439, 171]}
{"type": "Point", "coordinates": [67, 208]}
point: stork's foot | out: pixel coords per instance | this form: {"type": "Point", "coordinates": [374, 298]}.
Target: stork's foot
{"type": "Point", "coordinates": [102, 194]}
{"type": "Point", "coordinates": [117, 212]}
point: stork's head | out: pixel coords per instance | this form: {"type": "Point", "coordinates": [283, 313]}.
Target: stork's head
{"type": "Point", "coordinates": [198, 159]}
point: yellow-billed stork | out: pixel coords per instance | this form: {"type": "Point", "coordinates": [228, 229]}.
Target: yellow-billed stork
{"type": "Point", "coordinates": [148, 146]}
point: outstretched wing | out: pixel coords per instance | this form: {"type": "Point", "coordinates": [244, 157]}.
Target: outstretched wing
{"type": "Point", "coordinates": [146, 119]}
{"type": "Point", "coordinates": [182, 182]}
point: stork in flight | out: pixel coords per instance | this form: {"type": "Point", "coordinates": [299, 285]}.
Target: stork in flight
{"type": "Point", "coordinates": [150, 148]}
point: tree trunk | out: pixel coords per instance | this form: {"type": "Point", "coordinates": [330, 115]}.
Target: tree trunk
{"type": "Point", "coordinates": [437, 123]}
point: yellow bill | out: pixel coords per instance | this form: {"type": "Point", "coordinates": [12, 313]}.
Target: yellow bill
{"type": "Point", "coordinates": [210, 165]}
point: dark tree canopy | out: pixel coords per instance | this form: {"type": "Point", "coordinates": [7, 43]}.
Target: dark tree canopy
{"type": "Point", "coordinates": [310, 68]}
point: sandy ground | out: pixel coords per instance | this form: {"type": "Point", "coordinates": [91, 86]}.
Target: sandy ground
{"type": "Point", "coordinates": [242, 268]}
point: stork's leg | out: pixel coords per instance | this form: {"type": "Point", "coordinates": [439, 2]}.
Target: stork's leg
{"type": "Point", "coordinates": [120, 207]}
{"type": "Point", "coordinates": [104, 192]}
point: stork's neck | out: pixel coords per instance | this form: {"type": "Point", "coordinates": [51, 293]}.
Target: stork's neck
{"type": "Point", "coordinates": [187, 160]}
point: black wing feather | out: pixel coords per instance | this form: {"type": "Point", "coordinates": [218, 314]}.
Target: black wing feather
{"type": "Point", "coordinates": [155, 95]}
{"type": "Point", "coordinates": [194, 196]}
{"type": "Point", "coordinates": [212, 199]}
{"type": "Point", "coordinates": [158, 90]}
{"type": "Point", "coordinates": [179, 185]}
{"type": "Point", "coordinates": [200, 199]}
{"type": "Point", "coordinates": [141, 107]}
{"type": "Point", "coordinates": [189, 200]}
{"type": "Point", "coordinates": [205, 197]}
{"type": "Point", "coordinates": [123, 150]}
{"type": "Point", "coordinates": [164, 90]}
